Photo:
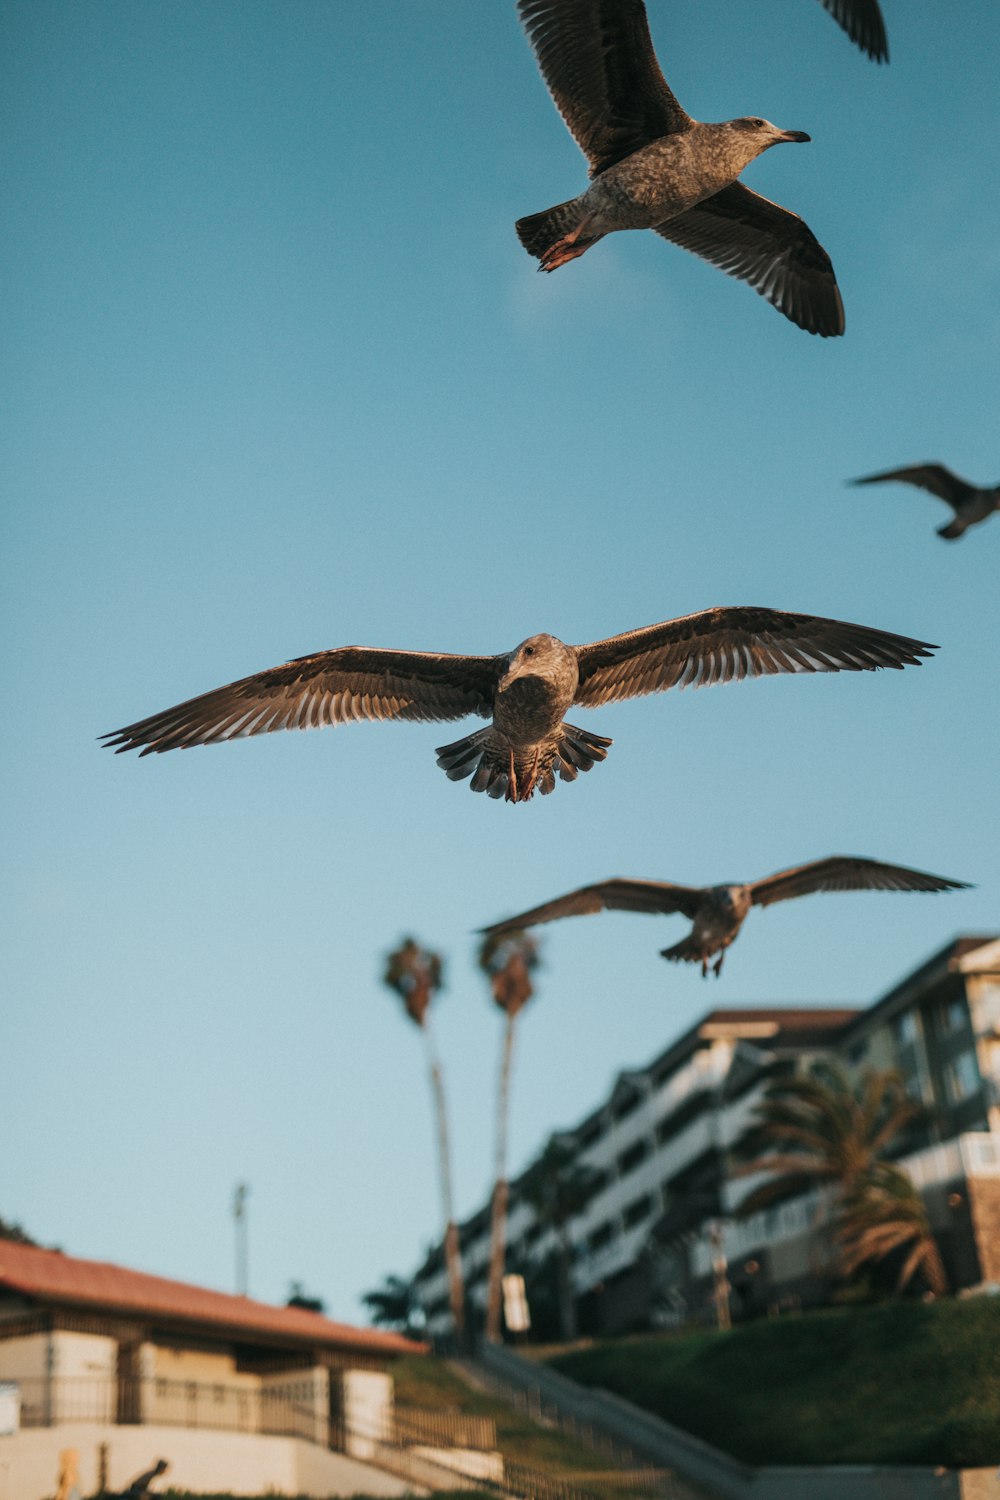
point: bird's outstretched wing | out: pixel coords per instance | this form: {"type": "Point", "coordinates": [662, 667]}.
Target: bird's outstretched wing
{"type": "Point", "coordinates": [723, 645]}
{"type": "Point", "coordinates": [934, 478]}
{"type": "Point", "coordinates": [331, 687]}
{"type": "Point", "coordinates": [862, 20]}
{"type": "Point", "coordinates": [655, 896]}
{"type": "Point", "coordinates": [843, 872]}
{"type": "Point", "coordinates": [598, 61]}
{"type": "Point", "coordinates": [775, 251]}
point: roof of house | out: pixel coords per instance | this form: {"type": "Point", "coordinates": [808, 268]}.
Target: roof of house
{"type": "Point", "coordinates": [48, 1276]}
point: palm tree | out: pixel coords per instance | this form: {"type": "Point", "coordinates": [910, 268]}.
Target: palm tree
{"type": "Point", "coordinates": [417, 975]}
{"type": "Point", "coordinates": [819, 1129]}
{"type": "Point", "coordinates": [887, 1214]}
{"type": "Point", "coordinates": [394, 1305]}
{"type": "Point", "coordinates": [558, 1189]}
{"type": "Point", "coordinates": [508, 959]}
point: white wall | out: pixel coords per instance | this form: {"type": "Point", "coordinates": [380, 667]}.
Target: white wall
{"type": "Point", "coordinates": [205, 1461]}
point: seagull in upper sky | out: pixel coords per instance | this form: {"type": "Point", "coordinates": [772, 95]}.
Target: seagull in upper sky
{"type": "Point", "coordinates": [654, 167]}
{"type": "Point", "coordinates": [862, 20]}
{"type": "Point", "coordinates": [524, 692]}
{"type": "Point", "coordinates": [971, 505]}
{"type": "Point", "coordinates": [717, 912]}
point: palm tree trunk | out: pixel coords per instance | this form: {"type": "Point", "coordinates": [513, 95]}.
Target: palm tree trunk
{"type": "Point", "coordinates": [452, 1250]}
{"type": "Point", "coordinates": [498, 1219]}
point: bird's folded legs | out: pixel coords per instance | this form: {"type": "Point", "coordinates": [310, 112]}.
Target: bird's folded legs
{"type": "Point", "coordinates": [569, 247]}
{"type": "Point", "coordinates": [521, 792]}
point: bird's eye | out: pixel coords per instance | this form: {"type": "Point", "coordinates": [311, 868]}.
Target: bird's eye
{"type": "Point", "coordinates": [757, 124]}
{"type": "Point", "coordinates": [529, 650]}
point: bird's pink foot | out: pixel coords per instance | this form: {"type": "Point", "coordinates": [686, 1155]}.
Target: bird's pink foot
{"type": "Point", "coordinates": [562, 251]}
{"type": "Point", "coordinates": [569, 247]}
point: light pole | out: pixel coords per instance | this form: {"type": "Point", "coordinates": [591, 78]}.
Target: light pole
{"type": "Point", "coordinates": [240, 1197]}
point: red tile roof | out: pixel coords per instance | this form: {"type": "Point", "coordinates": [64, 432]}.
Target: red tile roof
{"type": "Point", "coordinates": [48, 1276]}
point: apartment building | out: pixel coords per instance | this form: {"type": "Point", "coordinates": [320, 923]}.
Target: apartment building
{"type": "Point", "coordinates": [648, 1247]}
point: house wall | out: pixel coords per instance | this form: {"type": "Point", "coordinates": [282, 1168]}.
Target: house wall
{"type": "Point", "coordinates": [206, 1462]}
{"type": "Point", "coordinates": [80, 1365]}
{"type": "Point", "coordinates": [984, 1206]}
{"type": "Point", "coordinates": [25, 1358]}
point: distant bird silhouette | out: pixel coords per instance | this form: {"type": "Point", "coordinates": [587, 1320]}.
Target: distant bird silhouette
{"type": "Point", "coordinates": [862, 20]}
{"type": "Point", "coordinates": [654, 167]}
{"type": "Point", "coordinates": [971, 505]}
{"type": "Point", "coordinates": [525, 691]}
{"type": "Point", "coordinates": [719, 911]}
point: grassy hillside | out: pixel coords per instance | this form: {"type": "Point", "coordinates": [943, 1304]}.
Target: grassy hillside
{"type": "Point", "coordinates": [900, 1383]}
{"type": "Point", "coordinates": [424, 1381]}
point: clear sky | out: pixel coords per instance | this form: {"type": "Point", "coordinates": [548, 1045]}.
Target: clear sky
{"type": "Point", "coordinates": [279, 377]}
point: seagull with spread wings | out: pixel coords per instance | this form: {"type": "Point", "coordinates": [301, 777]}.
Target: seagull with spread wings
{"type": "Point", "coordinates": [654, 167]}
{"type": "Point", "coordinates": [717, 912]}
{"type": "Point", "coordinates": [524, 692]}
{"type": "Point", "coordinates": [970, 504]}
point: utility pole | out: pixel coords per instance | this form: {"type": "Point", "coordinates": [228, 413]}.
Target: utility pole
{"type": "Point", "coordinates": [240, 1197]}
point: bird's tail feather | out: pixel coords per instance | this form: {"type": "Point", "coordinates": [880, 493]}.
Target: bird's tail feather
{"type": "Point", "coordinates": [538, 231]}
{"type": "Point", "coordinates": [952, 530]}
{"type": "Point", "coordinates": [500, 770]}
{"type": "Point", "coordinates": [687, 951]}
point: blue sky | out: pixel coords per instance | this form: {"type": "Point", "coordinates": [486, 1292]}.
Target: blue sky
{"type": "Point", "coordinates": [281, 378]}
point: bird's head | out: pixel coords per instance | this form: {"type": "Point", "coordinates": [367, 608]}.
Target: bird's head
{"type": "Point", "coordinates": [538, 656]}
{"type": "Point", "coordinates": [751, 135]}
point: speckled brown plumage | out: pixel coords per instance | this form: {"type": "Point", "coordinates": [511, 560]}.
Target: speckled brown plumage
{"type": "Point", "coordinates": [717, 912]}
{"type": "Point", "coordinates": [525, 692]}
{"type": "Point", "coordinates": [653, 166]}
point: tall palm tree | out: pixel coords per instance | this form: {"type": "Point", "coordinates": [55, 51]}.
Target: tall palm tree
{"type": "Point", "coordinates": [416, 975]}
{"type": "Point", "coordinates": [508, 960]}
{"type": "Point", "coordinates": [559, 1188]}
{"type": "Point", "coordinates": [887, 1214]}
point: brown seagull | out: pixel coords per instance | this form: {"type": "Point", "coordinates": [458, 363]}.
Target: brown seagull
{"type": "Point", "coordinates": [654, 167]}
{"type": "Point", "coordinates": [719, 911]}
{"type": "Point", "coordinates": [525, 692]}
{"type": "Point", "coordinates": [971, 505]}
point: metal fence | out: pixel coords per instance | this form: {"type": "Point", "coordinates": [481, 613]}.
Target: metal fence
{"type": "Point", "coordinates": [292, 1409]}
{"type": "Point", "coordinates": [421, 1445]}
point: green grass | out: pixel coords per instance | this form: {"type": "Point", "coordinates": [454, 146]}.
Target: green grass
{"type": "Point", "coordinates": [424, 1381]}
{"type": "Point", "coordinates": [902, 1383]}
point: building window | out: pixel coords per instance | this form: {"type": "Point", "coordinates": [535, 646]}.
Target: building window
{"type": "Point", "coordinates": [951, 1016]}
{"type": "Point", "coordinates": [601, 1235]}
{"type": "Point", "coordinates": [590, 1133]}
{"type": "Point", "coordinates": [627, 1106]}
{"type": "Point", "coordinates": [961, 1077]}
{"type": "Point", "coordinates": [638, 1210]}
{"type": "Point", "coordinates": [904, 1029]}
{"type": "Point", "coordinates": [634, 1154]}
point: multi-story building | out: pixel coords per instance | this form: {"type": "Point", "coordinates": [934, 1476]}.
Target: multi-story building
{"type": "Point", "coordinates": [647, 1248]}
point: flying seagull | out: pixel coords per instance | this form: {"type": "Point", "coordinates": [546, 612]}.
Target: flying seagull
{"type": "Point", "coordinates": [862, 20]}
{"type": "Point", "coordinates": [719, 911]}
{"type": "Point", "coordinates": [971, 505]}
{"type": "Point", "coordinates": [525, 692]}
{"type": "Point", "coordinates": [654, 167]}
